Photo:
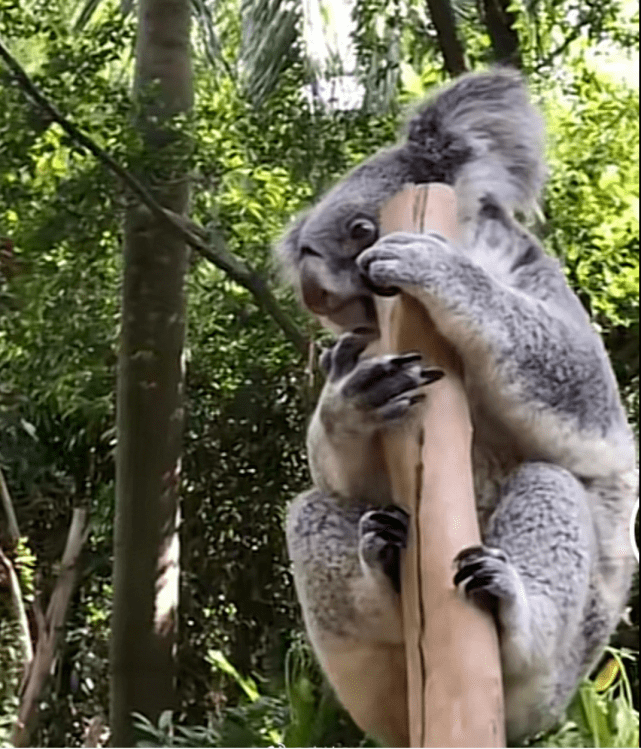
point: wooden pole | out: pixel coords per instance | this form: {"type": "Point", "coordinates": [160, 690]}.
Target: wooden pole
{"type": "Point", "coordinates": [455, 696]}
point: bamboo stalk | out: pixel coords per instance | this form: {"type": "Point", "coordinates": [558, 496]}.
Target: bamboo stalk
{"type": "Point", "coordinates": [455, 694]}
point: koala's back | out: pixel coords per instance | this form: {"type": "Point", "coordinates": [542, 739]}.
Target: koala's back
{"type": "Point", "coordinates": [583, 430]}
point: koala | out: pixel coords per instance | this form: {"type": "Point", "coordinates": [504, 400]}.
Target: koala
{"type": "Point", "coordinates": [553, 456]}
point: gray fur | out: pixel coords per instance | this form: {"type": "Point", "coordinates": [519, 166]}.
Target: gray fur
{"type": "Point", "coordinates": [553, 456]}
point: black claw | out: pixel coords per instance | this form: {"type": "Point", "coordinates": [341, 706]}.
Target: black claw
{"type": "Point", "coordinates": [416, 398]}
{"type": "Point", "coordinates": [390, 524]}
{"type": "Point", "coordinates": [467, 571]}
{"type": "Point", "coordinates": [480, 551]}
{"type": "Point", "coordinates": [396, 510]}
{"type": "Point", "coordinates": [409, 358]}
{"type": "Point", "coordinates": [431, 375]}
{"type": "Point", "coordinates": [394, 537]}
{"type": "Point", "coordinates": [479, 582]}
{"type": "Point", "coordinates": [390, 518]}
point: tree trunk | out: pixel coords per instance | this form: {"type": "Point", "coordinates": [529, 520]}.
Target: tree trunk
{"type": "Point", "coordinates": [150, 385]}
{"type": "Point", "coordinates": [445, 24]}
{"type": "Point", "coordinates": [499, 22]}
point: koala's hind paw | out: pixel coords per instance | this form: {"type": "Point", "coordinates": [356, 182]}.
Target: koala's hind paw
{"type": "Point", "coordinates": [382, 535]}
{"type": "Point", "coordinates": [486, 575]}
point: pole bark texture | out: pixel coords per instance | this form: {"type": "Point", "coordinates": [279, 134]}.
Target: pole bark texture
{"type": "Point", "coordinates": [455, 696]}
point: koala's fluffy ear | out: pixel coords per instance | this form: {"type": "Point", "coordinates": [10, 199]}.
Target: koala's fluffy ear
{"type": "Point", "coordinates": [485, 125]}
{"type": "Point", "coordinates": [286, 250]}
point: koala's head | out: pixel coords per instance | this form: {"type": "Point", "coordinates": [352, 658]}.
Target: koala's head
{"type": "Point", "coordinates": [480, 133]}
{"type": "Point", "coordinates": [319, 253]}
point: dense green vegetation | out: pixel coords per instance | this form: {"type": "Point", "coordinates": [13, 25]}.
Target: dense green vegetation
{"type": "Point", "coordinates": [262, 150]}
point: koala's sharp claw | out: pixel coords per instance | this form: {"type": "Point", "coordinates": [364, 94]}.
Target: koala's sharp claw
{"type": "Point", "coordinates": [409, 358]}
{"type": "Point", "coordinates": [396, 538]}
{"type": "Point", "coordinates": [477, 552]}
{"type": "Point", "coordinates": [400, 514]}
{"type": "Point", "coordinates": [431, 375]}
{"type": "Point", "coordinates": [392, 518]}
{"type": "Point", "coordinates": [467, 571]}
{"type": "Point", "coordinates": [485, 574]}
{"type": "Point", "coordinates": [481, 582]}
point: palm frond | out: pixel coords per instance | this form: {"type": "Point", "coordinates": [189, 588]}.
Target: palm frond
{"type": "Point", "coordinates": [85, 15]}
{"type": "Point", "coordinates": [269, 43]}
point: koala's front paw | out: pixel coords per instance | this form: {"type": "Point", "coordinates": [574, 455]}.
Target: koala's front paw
{"type": "Point", "coordinates": [402, 259]}
{"type": "Point", "coordinates": [382, 533]}
{"type": "Point", "coordinates": [386, 388]}
{"type": "Point", "coordinates": [363, 396]}
{"type": "Point", "coordinates": [373, 392]}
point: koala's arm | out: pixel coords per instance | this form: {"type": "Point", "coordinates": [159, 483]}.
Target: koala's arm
{"type": "Point", "coordinates": [531, 358]}
{"type": "Point", "coordinates": [345, 545]}
{"type": "Point", "coordinates": [350, 465]}
{"type": "Point", "coordinates": [362, 397]}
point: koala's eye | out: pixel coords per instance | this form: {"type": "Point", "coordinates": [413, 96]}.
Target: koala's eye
{"type": "Point", "coordinates": [364, 232]}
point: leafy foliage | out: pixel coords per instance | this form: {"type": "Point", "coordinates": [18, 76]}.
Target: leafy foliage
{"type": "Point", "coordinates": [602, 712]}
{"type": "Point", "coordinates": [305, 713]}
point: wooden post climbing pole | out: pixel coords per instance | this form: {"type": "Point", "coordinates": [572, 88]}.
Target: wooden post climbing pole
{"type": "Point", "coordinates": [454, 677]}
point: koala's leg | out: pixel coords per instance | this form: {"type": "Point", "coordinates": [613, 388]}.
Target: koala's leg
{"type": "Point", "coordinates": [346, 565]}
{"type": "Point", "coordinates": [537, 572]}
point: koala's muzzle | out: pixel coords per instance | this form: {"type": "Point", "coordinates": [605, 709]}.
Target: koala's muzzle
{"type": "Point", "coordinates": [336, 292]}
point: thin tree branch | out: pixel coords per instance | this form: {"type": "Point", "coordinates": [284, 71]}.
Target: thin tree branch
{"type": "Point", "coordinates": [20, 612]}
{"type": "Point", "coordinates": [572, 36]}
{"type": "Point", "coordinates": [13, 531]}
{"type": "Point", "coordinates": [12, 522]}
{"type": "Point", "coordinates": [445, 24]}
{"type": "Point", "coordinates": [50, 629]}
{"type": "Point", "coordinates": [193, 234]}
